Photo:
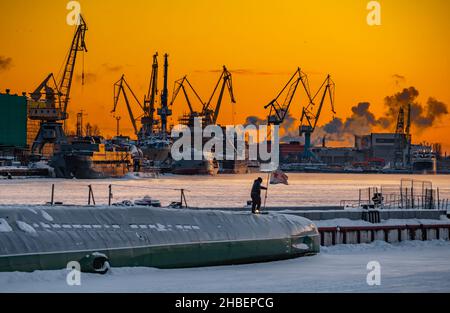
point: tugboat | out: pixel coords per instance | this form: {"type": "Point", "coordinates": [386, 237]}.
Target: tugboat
{"type": "Point", "coordinates": [88, 158]}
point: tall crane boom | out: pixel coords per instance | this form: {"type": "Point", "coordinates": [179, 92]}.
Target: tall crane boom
{"type": "Point", "coordinates": [211, 114]}
{"type": "Point", "coordinates": [57, 96]}
{"type": "Point", "coordinates": [310, 118]}
{"type": "Point", "coordinates": [58, 100]}
{"type": "Point", "coordinates": [120, 88]}
{"type": "Point", "coordinates": [78, 44]}
{"type": "Point", "coordinates": [278, 110]}
{"type": "Point", "coordinates": [180, 85]}
{"type": "Point", "coordinates": [311, 115]}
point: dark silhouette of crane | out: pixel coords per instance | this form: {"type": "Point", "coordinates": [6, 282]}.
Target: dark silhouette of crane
{"type": "Point", "coordinates": [148, 120]}
{"type": "Point", "coordinates": [183, 85]}
{"type": "Point", "coordinates": [279, 110]}
{"type": "Point", "coordinates": [164, 111]}
{"type": "Point", "coordinates": [50, 100]}
{"type": "Point", "coordinates": [123, 88]}
{"type": "Point", "coordinates": [403, 138]}
{"type": "Point", "coordinates": [210, 113]}
{"type": "Point", "coordinates": [311, 114]}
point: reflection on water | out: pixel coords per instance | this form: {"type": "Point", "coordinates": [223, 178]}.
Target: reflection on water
{"type": "Point", "coordinates": [203, 191]}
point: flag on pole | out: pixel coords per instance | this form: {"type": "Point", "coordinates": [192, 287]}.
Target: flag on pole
{"type": "Point", "coordinates": [278, 177]}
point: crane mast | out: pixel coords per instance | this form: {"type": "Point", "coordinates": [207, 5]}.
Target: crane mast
{"type": "Point", "coordinates": [148, 121]}
{"type": "Point", "coordinates": [279, 110]}
{"type": "Point", "coordinates": [164, 111]}
{"type": "Point", "coordinates": [120, 88]}
{"type": "Point", "coordinates": [53, 109]}
{"type": "Point", "coordinates": [311, 115]}
{"type": "Point", "coordinates": [211, 114]}
{"type": "Point", "coordinates": [180, 86]}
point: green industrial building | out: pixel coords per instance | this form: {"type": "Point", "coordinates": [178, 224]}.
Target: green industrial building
{"type": "Point", "coordinates": [13, 120]}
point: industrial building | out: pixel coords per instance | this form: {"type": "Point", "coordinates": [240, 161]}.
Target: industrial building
{"type": "Point", "coordinates": [17, 132]}
{"type": "Point", "coordinates": [13, 120]}
{"type": "Point", "coordinates": [391, 147]}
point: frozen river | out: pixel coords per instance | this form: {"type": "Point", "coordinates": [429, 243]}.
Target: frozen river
{"type": "Point", "coordinates": [407, 267]}
{"type": "Point", "coordinates": [222, 190]}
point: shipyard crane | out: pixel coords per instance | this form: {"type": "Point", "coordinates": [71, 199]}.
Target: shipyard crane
{"type": "Point", "coordinates": [164, 112]}
{"type": "Point", "coordinates": [311, 114]}
{"type": "Point", "coordinates": [52, 110]}
{"type": "Point", "coordinates": [122, 88]}
{"type": "Point", "coordinates": [211, 113]}
{"type": "Point", "coordinates": [148, 121]}
{"type": "Point", "coordinates": [403, 137]}
{"type": "Point", "coordinates": [184, 85]}
{"type": "Point", "coordinates": [279, 110]}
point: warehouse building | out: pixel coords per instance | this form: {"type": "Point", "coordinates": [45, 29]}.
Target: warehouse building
{"type": "Point", "coordinates": [17, 132]}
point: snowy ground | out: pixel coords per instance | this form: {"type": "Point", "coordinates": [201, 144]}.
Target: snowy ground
{"type": "Point", "coordinates": [222, 190]}
{"type": "Point", "coordinates": [406, 267]}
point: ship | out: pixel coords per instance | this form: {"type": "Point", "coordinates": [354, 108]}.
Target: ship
{"type": "Point", "coordinates": [206, 166]}
{"type": "Point", "coordinates": [234, 167]}
{"type": "Point", "coordinates": [50, 238]}
{"type": "Point", "coordinates": [423, 161]}
{"type": "Point", "coordinates": [156, 149]}
{"type": "Point", "coordinates": [88, 158]}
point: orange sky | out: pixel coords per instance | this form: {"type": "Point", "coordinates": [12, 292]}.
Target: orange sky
{"type": "Point", "coordinates": [264, 39]}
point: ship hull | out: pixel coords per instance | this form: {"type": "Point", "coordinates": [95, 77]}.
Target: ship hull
{"type": "Point", "coordinates": [85, 167]}
{"type": "Point", "coordinates": [164, 238]}
{"type": "Point", "coordinates": [192, 167]}
{"type": "Point", "coordinates": [156, 154]}
{"type": "Point", "coordinates": [234, 167]}
{"type": "Point", "coordinates": [427, 166]}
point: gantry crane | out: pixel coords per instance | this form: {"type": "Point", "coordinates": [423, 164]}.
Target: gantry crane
{"type": "Point", "coordinates": [211, 113]}
{"type": "Point", "coordinates": [311, 114]}
{"type": "Point", "coordinates": [52, 110]}
{"type": "Point", "coordinates": [121, 88]}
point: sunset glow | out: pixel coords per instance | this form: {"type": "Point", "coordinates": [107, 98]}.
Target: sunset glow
{"type": "Point", "coordinates": [261, 42]}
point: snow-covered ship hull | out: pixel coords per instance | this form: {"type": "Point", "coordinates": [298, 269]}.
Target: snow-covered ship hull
{"type": "Point", "coordinates": [49, 238]}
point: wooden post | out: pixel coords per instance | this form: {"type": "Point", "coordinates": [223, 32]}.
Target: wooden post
{"type": "Point", "coordinates": [91, 196]}
{"type": "Point", "coordinates": [110, 195]}
{"type": "Point", "coordinates": [52, 201]}
{"type": "Point", "coordinates": [267, 190]}
{"type": "Point", "coordinates": [438, 198]}
{"type": "Point", "coordinates": [181, 197]}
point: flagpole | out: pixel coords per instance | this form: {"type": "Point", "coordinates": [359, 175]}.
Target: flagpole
{"type": "Point", "coordinates": [265, 199]}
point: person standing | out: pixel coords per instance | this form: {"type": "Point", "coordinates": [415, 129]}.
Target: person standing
{"type": "Point", "coordinates": [256, 195]}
